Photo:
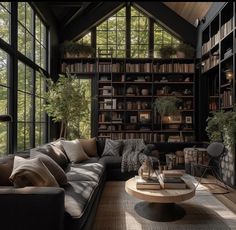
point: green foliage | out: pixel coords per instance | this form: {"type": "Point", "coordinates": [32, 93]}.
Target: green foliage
{"type": "Point", "coordinates": [186, 49]}
{"type": "Point", "coordinates": [166, 105]}
{"type": "Point", "coordinates": [67, 103]}
{"type": "Point", "coordinates": [221, 126]}
{"type": "Point", "coordinates": [167, 51]}
{"type": "Point", "coordinates": [76, 48]}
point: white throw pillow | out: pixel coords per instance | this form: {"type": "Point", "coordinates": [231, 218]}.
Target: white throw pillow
{"type": "Point", "coordinates": [74, 150]}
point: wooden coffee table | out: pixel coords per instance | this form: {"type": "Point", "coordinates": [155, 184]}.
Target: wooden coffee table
{"type": "Point", "coordinates": [160, 205]}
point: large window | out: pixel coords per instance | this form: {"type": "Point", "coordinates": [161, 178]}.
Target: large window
{"type": "Point", "coordinates": [4, 92]}
{"type": "Point", "coordinates": [111, 34]}
{"type": "Point", "coordinates": [163, 37]}
{"type": "Point", "coordinates": [5, 15]}
{"type": "Point", "coordinates": [139, 34]}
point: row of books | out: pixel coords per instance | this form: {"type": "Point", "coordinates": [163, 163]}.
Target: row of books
{"type": "Point", "coordinates": [139, 67]}
{"type": "Point", "coordinates": [210, 62]}
{"type": "Point", "coordinates": [169, 179]}
{"type": "Point", "coordinates": [226, 28]}
{"type": "Point", "coordinates": [78, 67]}
{"type": "Point", "coordinates": [226, 98]}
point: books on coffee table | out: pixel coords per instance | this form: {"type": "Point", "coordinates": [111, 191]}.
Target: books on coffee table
{"type": "Point", "coordinates": [172, 182]}
{"type": "Point", "coordinates": [152, 183]}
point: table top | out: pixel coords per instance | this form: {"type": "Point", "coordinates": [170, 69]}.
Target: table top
{"type": "Point", "coordinates": [162, 195]}
{"type": "Point", "coordinates": [196, 148]}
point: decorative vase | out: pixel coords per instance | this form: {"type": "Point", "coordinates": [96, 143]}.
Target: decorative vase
{"type": "Point", "coordinates": [145, 170]}
{"type": "Point", "coordinates": [144, 92]}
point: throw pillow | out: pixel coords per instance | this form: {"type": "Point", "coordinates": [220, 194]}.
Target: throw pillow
{"type": "Point", "coordinates": [89, 146]}
{"type": "Point", "coordinates": [31, 172]}
{"type": "Point", "coordinates": [54, 168]}
{"type": "Point", "coordinates": [52, 151]}
{"type": "Point", "coordinates": [5, 172]}
{"type": "Point", "coordinates": [112, 148]}
{"type": "Point", "coordinates": [74, 150]}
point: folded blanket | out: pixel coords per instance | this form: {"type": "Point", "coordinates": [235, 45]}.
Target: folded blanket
{"type": "Point", "coordinates": [132, 155]}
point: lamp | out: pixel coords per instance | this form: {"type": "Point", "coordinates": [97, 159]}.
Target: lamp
{"type": "Point", "coordinates": [5, 118]}
{"type": "Point", "coordinates": [229, 75]}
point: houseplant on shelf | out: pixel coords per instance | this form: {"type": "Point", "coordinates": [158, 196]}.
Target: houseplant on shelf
{"type": "Point", "coordinates": [166, 105]}
{"type": "Point", "coordinates": [67, 103]}
{"type": "Point", "coordinates": [166, 51]}
{"type": "Point", "coordinates": [184, 50]}
{"type": "Point", "coordinates": [71, 49]}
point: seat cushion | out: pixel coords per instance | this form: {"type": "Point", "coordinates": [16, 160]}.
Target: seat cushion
{"type": "Point", "coordinates": [85, 172]}
{"type": "Point", "coordinates": [77, 197]}
{"type": "Point", "coordinates": [111, 161]}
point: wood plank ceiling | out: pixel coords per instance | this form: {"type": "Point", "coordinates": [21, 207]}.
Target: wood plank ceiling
{"type": "Point", "coordinates": [190, 11]}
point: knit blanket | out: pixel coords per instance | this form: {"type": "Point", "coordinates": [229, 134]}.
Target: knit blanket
{"type": "Point", "coordinates": [132, 155]}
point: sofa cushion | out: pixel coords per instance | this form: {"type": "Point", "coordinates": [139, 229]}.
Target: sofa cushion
{"type": "Point", "coordinates": [53, 151]}
{"type": "Point", "coordinates": [31, 172]}
{"type": "Point", "coordinates": [74, 150]}
{"type": "Point", "coordinates": [112, 148]}
{"type": "Point", "coordinates": [111, 162]}
{"type": "Point", "coordinates": [89, 146]}
{"type": "Point", "coordinates": [54, 168]}
{"type": "Point", "coordinates": [77, 197]}
{"type": "Point", "coordinates": [100, 147]}
{"type": "Point", "coordinates": [85, 172]}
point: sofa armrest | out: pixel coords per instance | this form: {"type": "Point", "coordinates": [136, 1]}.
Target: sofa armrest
{"type": "Point", "coordinates": [38, 208]}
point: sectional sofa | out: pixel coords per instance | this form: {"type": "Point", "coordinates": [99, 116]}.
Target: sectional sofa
{"type": "Point", "coordinates": [70, 207]}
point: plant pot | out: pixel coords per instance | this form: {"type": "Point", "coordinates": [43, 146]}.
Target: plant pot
{"type": "Point", "coordinates": [144, 92]}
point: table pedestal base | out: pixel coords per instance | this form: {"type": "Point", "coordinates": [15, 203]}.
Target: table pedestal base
{"type": "Point", "coordinates": [160, 211]}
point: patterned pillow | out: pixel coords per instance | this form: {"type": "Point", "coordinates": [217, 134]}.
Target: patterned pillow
{"type": "Point", "coordinates": [31, 172]}
{"type": "Point", "coordinates": [112, 148]}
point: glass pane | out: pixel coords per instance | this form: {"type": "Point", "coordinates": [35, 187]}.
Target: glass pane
{"type": "Point", "coordinates": [37, 28]}
{"type": "Point", "coordinates": [21, 13]}
{"type": "Point", "coordinates": [101, 37]}
{"type": "Point", "coordinates": [38, 84]}
{"type": "Point", "coordinates": [21, 39]}
{"type": "Point", "coordinates": [20, 106]}
{"type": "Point", "coordinates": [4, 24]}
{"type": "Point", "coordinates": [3, 138]}
{"type": "Point", "coordinates": [29, 80]}
{"type": "Point", "coordinates": [37, 134]}
{"type": "Point", "coordinates": [37, 53]}
{"type": "Point", "coordinates": [43, 35]}
{"type": "Point", "coordinates": [112, 37]}
{"type": "Point", "coordinates": [20, 136]}
{"type": "Point", "coordinates": [43, 57]}
{"type": "Point", "coordinates": [29, 18]}
{"type": "Point", "coordinates": [3, 100]}
{"type": "Point", "coordinates": [102, 26]}
{"type": "Point", "coordinates": [3, 68]}
{"type": "Point", "coordinates": [6, 5]}
{"type": "Point", "coordinates": [37, 109]}
{"type": "Point", "coordinates": [121, 23]}
{"type": "Point", "coordinates": [121, 13]}
{"type": "Point", "coordinates": [112, 23]}
{"type": "Point", "coordinates": [29, 45]}
{"type": "Point", "coordinates": [28, 107]}
{"type": "Point", "coordinates": [28, 134]}
{"type": "Point", "coordinates": [21, 76]}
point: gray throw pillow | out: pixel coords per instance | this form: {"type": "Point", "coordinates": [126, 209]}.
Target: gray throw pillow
{"type": "Point", "coordinates": [112, 148]}
{"type": "Point", "coordinates": [54, 168]}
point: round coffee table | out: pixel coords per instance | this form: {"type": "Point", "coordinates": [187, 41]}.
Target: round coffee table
{"type": "Point", "coordinates": [160, 205]}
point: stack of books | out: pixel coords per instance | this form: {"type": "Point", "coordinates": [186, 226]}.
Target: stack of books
{"type": "Point", "coordinates": [149, 184]}
{"type": "Point", "coordinates": [171, 179]}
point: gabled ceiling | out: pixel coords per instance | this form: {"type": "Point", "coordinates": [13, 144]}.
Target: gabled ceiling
{"type": "Point", "coordinates": [190, 11]}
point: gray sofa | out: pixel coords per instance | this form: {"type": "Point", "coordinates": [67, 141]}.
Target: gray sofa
{"type": "Point", "coordinates": [71, 207]}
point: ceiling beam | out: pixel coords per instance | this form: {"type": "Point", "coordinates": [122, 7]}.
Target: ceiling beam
{"type": "Point", "coordinates": [167, 17]}
{"type": "Point", "coordinates": [82, 23]}
{"type": "Point", "coordinates": [65, 4]}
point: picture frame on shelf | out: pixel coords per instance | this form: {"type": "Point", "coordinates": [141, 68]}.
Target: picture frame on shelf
{"type": "Point", "coordinates": [133, 119]}
{"type": "Point", "coordinates": [175, 119]}
{"type": "Point", "coordinates": [144, 117]}
{"type": "Point", "coordinates": [188, 120]}
{"type": "Point", "coordinates": [109, 103]}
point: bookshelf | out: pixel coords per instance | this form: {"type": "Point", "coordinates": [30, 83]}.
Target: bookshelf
{"type": "Point", "coordinates": [218, 58]}
{"type": "Point", "coordinates": [126, 90]}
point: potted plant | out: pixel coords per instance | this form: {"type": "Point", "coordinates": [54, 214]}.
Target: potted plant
{"type": "Point", "coordinates": [75, 49]}
{"type": "Point", "coordinates": [166, 105]}
{"type": "Point", "coordinates": [67, 103]}
{"type": "Point", "coordinates": [184, 50]}
{"type": "Point", "coordinates": [167, 51]}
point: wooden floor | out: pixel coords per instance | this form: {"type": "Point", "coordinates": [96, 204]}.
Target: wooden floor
{"type": "Point", "coordinates": [229, 199]}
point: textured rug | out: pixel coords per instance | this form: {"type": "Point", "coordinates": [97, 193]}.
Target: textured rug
{"type": "Point", "coordinates": [204, 211]}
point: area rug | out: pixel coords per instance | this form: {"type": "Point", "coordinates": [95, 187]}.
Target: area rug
{"type": "Point", "coordinates": [204, 211]}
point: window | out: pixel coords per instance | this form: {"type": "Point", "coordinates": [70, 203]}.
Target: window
{"type": "Point", "coordinates": [4, 92]}
{"type": "Point", "coordinates": [162, 37]}
{"type": "Point", "coordinates": [5, 15]}
{"type": "Point", "coordinates": [111, 34]}
{"type": "Point", "coordinates": [85, 39]}
{"type": "Point", "coordinates": [139, 34]}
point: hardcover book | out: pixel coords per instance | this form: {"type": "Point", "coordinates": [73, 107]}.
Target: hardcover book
{"type": "Point", "coordinates": [151, 183]}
